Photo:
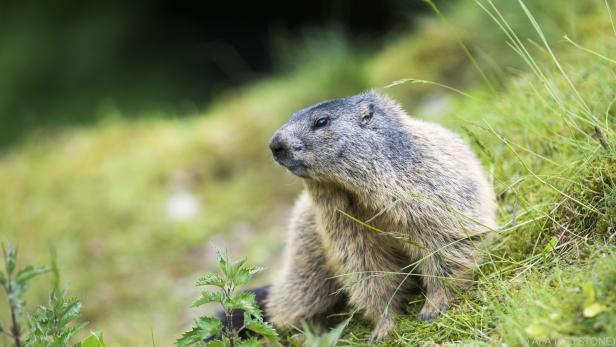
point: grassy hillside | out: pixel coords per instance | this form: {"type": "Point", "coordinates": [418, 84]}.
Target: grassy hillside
{"type": "Point", "coordinates": [106, 196]}
{"type": "Point", "coordinates": [547, 139]}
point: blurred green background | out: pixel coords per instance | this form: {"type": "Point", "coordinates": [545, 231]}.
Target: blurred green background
{"type": "Point", "coordinates": [133, 135]}
{"type": "Point", "coordinates": [68, 63]}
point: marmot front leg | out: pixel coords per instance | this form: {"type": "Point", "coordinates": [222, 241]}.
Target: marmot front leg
{"type": "Point", "coordinates": [381, 296]}
{"type": "Point", "coordinates": [302, 295]}
{"type": "Point", "coordinates": [443, 271]}
{"type": "Point", "coordinates": [307, 289]}
{"type": "Point", "coordinates": [437, 277]}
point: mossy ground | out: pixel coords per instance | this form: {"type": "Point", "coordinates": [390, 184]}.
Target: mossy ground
{"type": "Point", "coordinates": [98, 194]}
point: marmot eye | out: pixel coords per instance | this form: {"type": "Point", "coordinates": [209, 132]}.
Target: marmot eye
{"type": "Point", "coordinates": [321, 122]}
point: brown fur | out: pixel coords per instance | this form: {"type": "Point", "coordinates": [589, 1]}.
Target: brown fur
{"type": "Point", "coordinates": [432, 209]}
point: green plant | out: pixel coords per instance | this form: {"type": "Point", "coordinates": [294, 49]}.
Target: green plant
{"type": "Point", "coordinates": [328, 339]}
{"type": "Point", "coordinates": [15, 284]}
{"type": "Point", "coordinates": [52, 326]}
{"type": "Point", "coordinates": [232, 274]}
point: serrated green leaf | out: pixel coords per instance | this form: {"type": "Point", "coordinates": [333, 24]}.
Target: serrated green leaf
{"type": "Point", "coordinates": [242, 276]}
{"type": "Point", "coordinates": [234, 267]}
{"type": "Point", "coordinates": [207, 297]}
{"type": "Point", "coordinates": [245, 302]}
{"type": "Point", "coordinates": [222, 263]}
{"type": "Point", "coordinates": [209, 326]}
{"type": "Point", "coordinates": [252, 342]}
{"type": "Point", "coordinates": [49, 326]}
{"type": "Point", "coordinates": [211, 279]}
{"type": "Point", "coordinates": [71, 311]}
{"type": "Point", "coordinates": [94, 340]}
{"type": "Point", "coordinates": [3, 281]}
{"type": "Point", "coordinates": [205, 327]}
{"type": "Point", "coordinates": [29, 272]}
{"type": "Point", "coordinates": [189, 338]}
{"type": "Point", "coordinates": [256, 269]}
{"type": "Point", "coordinates": [262, 328]}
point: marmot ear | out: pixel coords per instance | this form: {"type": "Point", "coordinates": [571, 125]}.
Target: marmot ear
{"type": "Point", "coordinates": [366, 113]}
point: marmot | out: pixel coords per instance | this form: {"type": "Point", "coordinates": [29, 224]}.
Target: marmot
{"type": "Point", "coordinates": [390, 203]}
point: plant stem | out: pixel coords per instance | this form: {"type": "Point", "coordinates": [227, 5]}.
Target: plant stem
{"type": "Point", "coordinates": [14, 328]}
{"type": "Point", "coordinates": [229, 313]}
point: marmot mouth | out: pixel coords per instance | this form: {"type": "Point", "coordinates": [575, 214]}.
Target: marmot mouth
{"type": "Point", "coordinates": [296, 167]}
{"type": "Point", "coordinates": [298, 170]}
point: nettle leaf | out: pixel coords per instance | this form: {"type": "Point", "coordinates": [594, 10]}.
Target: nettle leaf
{"type": "Point", "coordinates": [49, 326]}
{"type": "Point", "coordinates": [256, 269]}
{"type": "Point", "coordinates": [211, 279]}
{"type": "Point", "coordinates": [229, 268]}
{"type": "Point", "coordinates": [262, 328]}
{"type": "Point", "coordinates": [71, 311]}
{"type": "Point", "coordinates": [35, 325]}
{"type": "Point", "coordinates": [189, 338]}
{"type": "Point", "coordinates": [205, 327]}
{"type": "Point", "coordinates": [207, 297]}
{"type": "Point", "coordinates": [29, 272]}
{"type": "Point", "coordinates": [235, 266]}
{"type": "Point", "coordinates": [209, 326]}
{"type": "Point", "coordinates": [252, 342]}
{"type": "Point", "coordinates": [222, 263]}
{"type": "Point", "coordinates": [243, 275]}
{"type": "Point", "coordinates": [245, 302]}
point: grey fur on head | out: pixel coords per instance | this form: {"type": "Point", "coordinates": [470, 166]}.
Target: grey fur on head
{"type": "Point", "coordinates": [358, 131]}
{"type": "Point", "coordinates": [363, 156]}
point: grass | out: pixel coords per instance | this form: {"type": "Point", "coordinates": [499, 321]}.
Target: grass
{"type": "Point", "coordinates": [99, 194]}
{"type": "Point", "coordinates": [548, 139]}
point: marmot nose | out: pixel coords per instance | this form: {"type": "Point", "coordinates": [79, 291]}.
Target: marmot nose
{"type": "Point", "coordinates": [282, 148]}
{"type": "Point", "coordinates": [278, 147]}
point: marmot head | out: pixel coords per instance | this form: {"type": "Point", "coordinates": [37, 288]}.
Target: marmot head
{"type": "Point", "coordinates": [344, 140]}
